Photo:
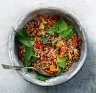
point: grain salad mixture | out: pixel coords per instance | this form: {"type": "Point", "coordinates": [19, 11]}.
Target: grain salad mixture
{"type": "Point", "coordinates": [50, 44]}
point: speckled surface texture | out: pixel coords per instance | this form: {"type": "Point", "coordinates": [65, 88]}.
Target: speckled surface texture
{"type": "Point", "coordinates": [84, 81]}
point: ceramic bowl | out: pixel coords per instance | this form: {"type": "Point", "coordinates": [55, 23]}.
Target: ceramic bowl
{"type": "Point", "coordinates": [75, 67]}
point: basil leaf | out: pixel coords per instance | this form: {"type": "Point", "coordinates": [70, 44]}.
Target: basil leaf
{"type": "Point", "coordinates": [29, 53]}
{"type": "Point", "coordinates": [62, 62]}
{"type": "Point", "coordinates": [42, 77]}
{"type": "Point", "coordinates": [45, 40]}
{"type": "Point", "coordinates": [67, 33]}
{"type": "Point", "coordinates": [61, 25]}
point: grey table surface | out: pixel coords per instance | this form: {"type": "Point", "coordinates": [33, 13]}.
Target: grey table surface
{"type": "Point", "coordinates": [84, 81]}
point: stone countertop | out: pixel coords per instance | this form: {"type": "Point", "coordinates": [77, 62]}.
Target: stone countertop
{"type": "Point", "coordinates": [84, 81]}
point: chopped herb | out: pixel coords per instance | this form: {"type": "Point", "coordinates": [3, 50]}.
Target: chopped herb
{"type": "Point", "coordinates": [45, 40]}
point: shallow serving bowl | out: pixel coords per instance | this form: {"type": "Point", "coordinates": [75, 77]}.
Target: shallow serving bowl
{"type": "Point", "coordinates": [75, 67]}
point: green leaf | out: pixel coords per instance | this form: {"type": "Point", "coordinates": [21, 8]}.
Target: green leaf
{"type": "Point", "coordinates": [69, 36]}
{"type": "Point", "coordinates": [34, 59]}
{"type": "Point", "coordinates": [29, 56]}
{"type": "Point", "coordinates": [67, 33]}
{"type": "Point", "coordinates": [51, 31]}
{"type": "Point", "coordinates": [29, 53]}
{"type": "Point", "coordinates": [24, 38]}
{"type": "Point", "coordinates": [45, 40]}
{"type": "Point", "coordinates": [62, 62]}
{"type": "Point", "coordinates": [58, 27]}
{"type": "Point", "coordinates": [27, 64]}
{"type": "Point", "coordinates": [61, 25]}
{"type": "Point", "coordinates": [42, 77]}
{"type": "Point", "coordinates": [75, 32]}
{"type": "Point", "coordinates": [25, 41]}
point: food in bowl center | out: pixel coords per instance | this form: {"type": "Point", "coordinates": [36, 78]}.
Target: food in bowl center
{"type": "Point", "coordinates": [49, 44]}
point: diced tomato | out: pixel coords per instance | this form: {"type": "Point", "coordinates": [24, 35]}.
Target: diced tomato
{"type": "Point", "coordinates": [41, 46]}
{"type": "Point", "coordinates": [53, 62]}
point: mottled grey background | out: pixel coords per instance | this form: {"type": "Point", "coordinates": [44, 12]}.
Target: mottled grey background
{"type": "Point", "coordinates": [84, 81]}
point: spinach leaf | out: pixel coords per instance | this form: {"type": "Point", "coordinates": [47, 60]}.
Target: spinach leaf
{"type": "Point", "coordinates": [34, 59]}
{"type": "Point", "coordinates": [61, 25]}
{"type": "Point", "coordinates": [69, 36]}
{"type": "Point", "coordinates": [26, 42]}
{"type": "Point", "coordinates": [26, 63]}
{"type": "Point", "coordinates": [62, 62]}
{"type": "Point", "coordinates": [29, 56]}
{"type": "Point", "coordinates": [67, 33]}
{"type": "Point", "coordinates": [45, 40]}
{"type": "Point", "coordinates": [51, 30]}
{"type": "Point", "coordinates": [29, 52]}
{"type": "Point", "coordinates": [58, 27]}
{"type": "Point", "coordinates": [24, 38]}
{"type": "Point", "coordinates": [42, 77]}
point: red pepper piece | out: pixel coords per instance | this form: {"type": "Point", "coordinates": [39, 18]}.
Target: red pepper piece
{"type": "Point", "coordinates": [41, 46]}
{"type": "Point", "coordinates": [53, 62]}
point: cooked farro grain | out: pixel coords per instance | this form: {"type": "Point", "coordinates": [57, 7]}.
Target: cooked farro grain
{"type": "Point", "coordinates": [54, 49]}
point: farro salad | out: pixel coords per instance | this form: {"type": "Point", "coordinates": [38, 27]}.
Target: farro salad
{"type": "Point", "coordinates": [50, 43]}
